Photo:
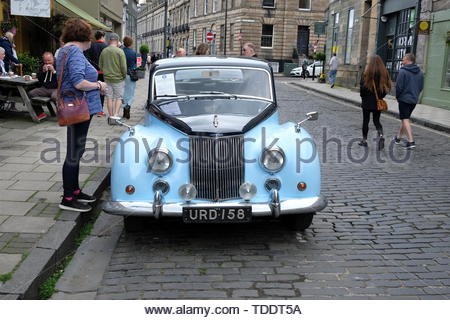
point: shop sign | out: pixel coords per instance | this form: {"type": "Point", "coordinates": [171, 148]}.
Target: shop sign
{"type": "Point", "coordinates": [31, 8]}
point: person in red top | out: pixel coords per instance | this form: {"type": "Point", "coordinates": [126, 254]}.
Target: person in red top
{"type": "Point", "coordinates": [93, 56]}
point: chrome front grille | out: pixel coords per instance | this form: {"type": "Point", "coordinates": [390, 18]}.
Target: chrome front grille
{"type": "Point", "coordinates": [217, 166]}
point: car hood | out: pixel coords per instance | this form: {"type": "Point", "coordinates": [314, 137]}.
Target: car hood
{"type": "Point", "coordinates": [219, 116]}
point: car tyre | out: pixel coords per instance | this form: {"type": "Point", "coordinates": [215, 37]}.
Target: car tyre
{"type": "Point", "coordinates": [134, 224]}
{"type": "Point", "coordinates": [298, 222]}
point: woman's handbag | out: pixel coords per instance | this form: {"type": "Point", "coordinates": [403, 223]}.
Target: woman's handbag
{"type": "Point", "coordinates": [74, 110]}
{"type": "Point", "coordinates": [134, 75]}
{"type": "Point", "coordinates": [381, 104]}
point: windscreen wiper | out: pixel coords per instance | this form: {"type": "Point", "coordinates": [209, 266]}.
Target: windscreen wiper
{"type": "Point", "coordinates": [219, 92]}
{"type": "Point", "coordinates": [172, 96]}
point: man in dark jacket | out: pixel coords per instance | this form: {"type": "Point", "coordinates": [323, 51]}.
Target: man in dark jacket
{"type": "Point", "coordinates": [47, 80]}
{"type": "Point", "coordinates": [93, 56]}
{"type": "Point", "coordinates": [9, 56]}
{"type": "Point", "coordinates": [408, 87]}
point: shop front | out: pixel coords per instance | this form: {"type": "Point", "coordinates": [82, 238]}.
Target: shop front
{"type": "Point", "coordinates": [397, 32]}
{"type": "Point", "coordinates": [437, 78]}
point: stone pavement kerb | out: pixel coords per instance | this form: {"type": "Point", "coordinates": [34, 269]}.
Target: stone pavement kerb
{"type": "Point", "coordinates": [428, 116]}
{"type": "Point", "coordinates": [35, 234]}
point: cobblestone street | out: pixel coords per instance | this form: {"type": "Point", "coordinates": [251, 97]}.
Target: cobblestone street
{"type": "Point", "coordinates": [384, 235]}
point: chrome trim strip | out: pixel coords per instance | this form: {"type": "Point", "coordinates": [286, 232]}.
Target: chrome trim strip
{"type": "Point", "coordinates": [294, 206]}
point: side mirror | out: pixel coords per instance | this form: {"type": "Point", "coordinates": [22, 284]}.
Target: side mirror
{"type": "Point", "coordinates": [309, 116]}
{"type": "Point", "coordinates": [312, 115]}
{"type": "Point", "coordinates": [130, 128]}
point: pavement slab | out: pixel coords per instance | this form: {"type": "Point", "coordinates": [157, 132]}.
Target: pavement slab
{"type": "Point", "coordinates": [12, 208]}
{"type": "Point", "coordinates": [8, 262]}
{"type": "Point", "coordinates": [26, 224]}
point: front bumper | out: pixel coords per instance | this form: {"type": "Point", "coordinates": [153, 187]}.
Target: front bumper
{"type": "Point", "coordinates": [274, 208]}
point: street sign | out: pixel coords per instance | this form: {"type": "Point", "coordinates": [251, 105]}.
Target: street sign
{"type": "Point", "coordinates": [319, 28]}
{"type": "Point", "coordinates": [138, 61]}
{"type": "Point", "coordinates": [210, 36]}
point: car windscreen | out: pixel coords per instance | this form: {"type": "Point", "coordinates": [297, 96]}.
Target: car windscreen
{"type": "Point", "coordinates": [193, 81]}
{"type": "Point", "coordinates": [198, 107]}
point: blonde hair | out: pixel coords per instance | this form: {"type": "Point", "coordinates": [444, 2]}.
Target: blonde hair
{"type": "Point", "coordinates": [9, 36]}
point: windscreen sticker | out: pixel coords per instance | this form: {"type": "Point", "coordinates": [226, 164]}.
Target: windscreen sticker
{"type": "Point", "coordinates": [172, 108]}
{"type": "Point", "coordinates": [165, 84]}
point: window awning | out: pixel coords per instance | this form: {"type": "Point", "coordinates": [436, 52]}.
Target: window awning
{"type": "Point", "coordinates": [82, 14]}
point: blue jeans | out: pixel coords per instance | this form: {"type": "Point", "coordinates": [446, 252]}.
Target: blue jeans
{"type": "Point", "coordinates": [128, 94]}
{"type": "Point", "coordinates": [333, 76]}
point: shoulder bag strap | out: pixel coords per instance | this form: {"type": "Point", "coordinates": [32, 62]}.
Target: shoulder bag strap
{"type": "Point", "coordinates": [63, 62]}
{"type": "Point", "coordinates": [375, 90]}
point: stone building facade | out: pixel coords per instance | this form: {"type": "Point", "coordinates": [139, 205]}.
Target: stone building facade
{"type": "Point", "coordinates": [437, 59]}
{"type": "Point", "coordinates": [276, 27]}
{"type": "Point", "coordinates": [150, 26]}
{"type": "Point", "coordinates": [351, 34]}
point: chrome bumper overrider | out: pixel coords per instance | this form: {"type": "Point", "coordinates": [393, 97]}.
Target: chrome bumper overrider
{"type": "Point", "coordinates": [273, 208]}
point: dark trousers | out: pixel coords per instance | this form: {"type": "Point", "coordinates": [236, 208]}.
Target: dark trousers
{"type": "Point", "coordinates": [102, 97]}
{"type": "Point", "coordinates": [376, 121]}
{"type": "Point", "coordinates": [76, 142]}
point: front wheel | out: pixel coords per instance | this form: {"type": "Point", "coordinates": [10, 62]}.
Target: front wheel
{"type": "Point", "coordinates": [298, 222]}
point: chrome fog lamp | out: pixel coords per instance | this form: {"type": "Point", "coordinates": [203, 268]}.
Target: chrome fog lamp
{"type": "Point", "coordinates": [273, 159]}
{"type": "Point", "coordinates": [159, 161]}
{"type": "Point", "coordinates": [247, 190]}
{"type": "Point", "coordinates": [187, 192]}
{"type": "Point", "coordinates": [162, 186]}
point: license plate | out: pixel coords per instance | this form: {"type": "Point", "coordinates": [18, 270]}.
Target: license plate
{"type": "Point", "coordinates": [217, 215]}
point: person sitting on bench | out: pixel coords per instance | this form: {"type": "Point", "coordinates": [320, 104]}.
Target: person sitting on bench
{"type": "Point", "coordinates": [47, 80]}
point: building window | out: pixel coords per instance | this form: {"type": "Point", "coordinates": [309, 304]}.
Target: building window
{"type": "Point", "coordinates": [447, 76]}
{"type": "Point", "coordinates": [304, 4]}
{"type": "Point", "coordinates": [334, 39]}
{"type": "Point", "coordinates": [204, 35]}
{"type": "Point", "coordinates": [222, 37]}
{"type": "Point", "coordinates": [267, 35]}
{"type": "Point", "coordinates": [348, 44]}
{"type": "Point", "coordinates": [195, 8]}
{"type": "Point", "coordinates": [194, 38]}
{"type": "Point", "coordinates": [231, 36]}
{"type": "Point", "coordinates": [268, 3]}
{"type": "Point", "coordinates": [205, 8]}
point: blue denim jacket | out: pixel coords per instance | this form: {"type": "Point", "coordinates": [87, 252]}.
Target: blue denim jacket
{"type": "Point", "coordinates": [76, 69]}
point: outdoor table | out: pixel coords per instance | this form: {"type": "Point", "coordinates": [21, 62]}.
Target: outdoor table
{"type": "Point", "coordinates": [22, 86]}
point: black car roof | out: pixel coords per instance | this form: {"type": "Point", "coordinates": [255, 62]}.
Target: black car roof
{"type": "Point", "coordinates": [193, 61]}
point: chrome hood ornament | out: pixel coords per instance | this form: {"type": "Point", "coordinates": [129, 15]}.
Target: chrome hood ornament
{"type": "Point", "coordinates": [216, 121]}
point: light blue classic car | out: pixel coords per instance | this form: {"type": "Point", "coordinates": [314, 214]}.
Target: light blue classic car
{"type": "Point", "coordinates": [212, 150]}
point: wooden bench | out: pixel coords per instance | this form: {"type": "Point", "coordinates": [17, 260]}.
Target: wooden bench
{"type": "Point", "coordinates": [47, 102]}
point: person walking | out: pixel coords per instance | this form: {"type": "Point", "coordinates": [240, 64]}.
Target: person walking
{"type": "Point", "coordinates": [78, 77]}
{"type": "Point", "coordinates": [333, 65]}
{"type": "Point", "coordinates": [181, 52]}
{"type": "Point", "coordinates": [408, 87]}
{"type": "Point", "coordinates": [202, 50]}
{"type": "Point", "coordinates": [375, 84]}
{"type": "Point", "coordinates": [113, 64]}
{"type": "Point", "coordinates": [249, 50]}
{"type": "Point", "coordinates": [93, 55]}
{"type": "Point", "coordinates": [130, 85]}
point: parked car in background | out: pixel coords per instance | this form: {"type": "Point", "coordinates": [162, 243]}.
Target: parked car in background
{"type": "Point", "coordinates": [297, 72]}
{"type": "Point", "coordinates": [212, 150]}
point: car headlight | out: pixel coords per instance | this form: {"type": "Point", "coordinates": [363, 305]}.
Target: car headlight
{"type": "Point", "coordinates": [273, 159]}
{"type": "Point", "coordinates": [159, 160]}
